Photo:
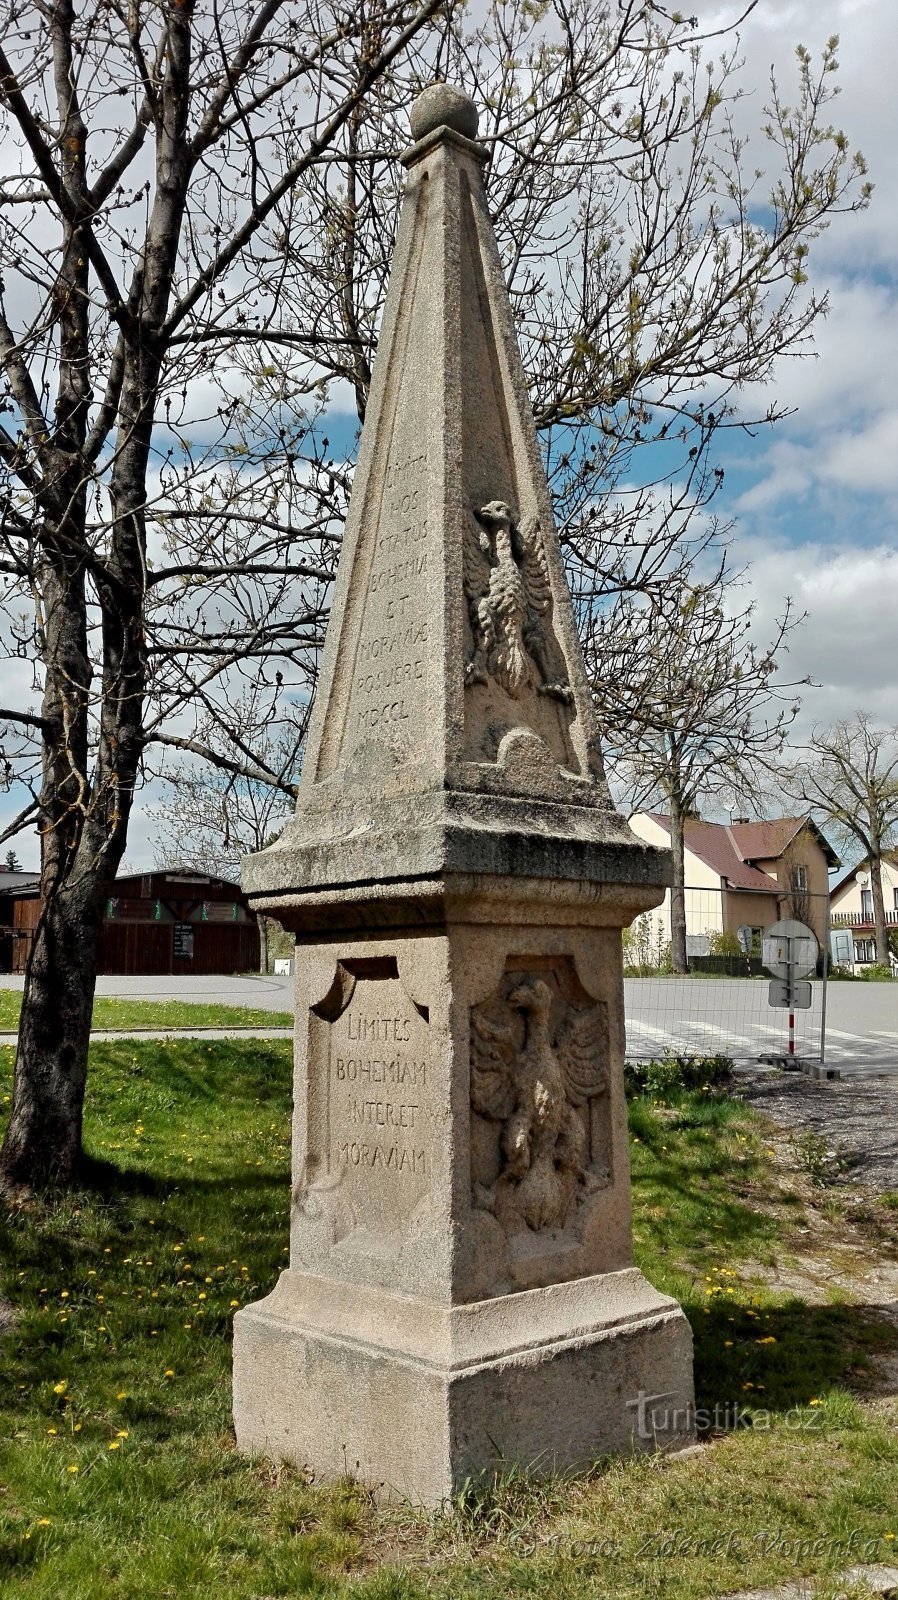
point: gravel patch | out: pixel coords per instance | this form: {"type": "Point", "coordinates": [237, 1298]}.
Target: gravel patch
{"type": "Point", "coordinates": [858, 1120]}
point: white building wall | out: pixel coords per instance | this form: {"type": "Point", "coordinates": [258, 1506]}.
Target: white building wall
{"type": "Point", "coordinates": [847, 902]}
{"type": "Point", "coordinates": [704, 900]}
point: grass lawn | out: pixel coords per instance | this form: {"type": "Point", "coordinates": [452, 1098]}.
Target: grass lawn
{"type": "Point", "coordinates": [118, 1475]}
{"type": "Point", "coordinates": [131, 1014]}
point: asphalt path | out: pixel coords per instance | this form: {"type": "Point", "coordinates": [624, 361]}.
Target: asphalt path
{"type": "Point", "coordinates": [251, 989]}
{"type": "Point", "coordinates": [706, 1015]}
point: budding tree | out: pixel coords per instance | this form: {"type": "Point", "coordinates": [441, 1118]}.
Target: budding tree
{"type": "Point", "coordinates": [196, 224]}
{"type": "Point", "coordinates": [153, 156]}
{"type": "Point", "coordinates": [850, 775]}
{"type": "Point", "coordinates": [694, 710]}
{"type": "Point", "coordinates": [210, 816]}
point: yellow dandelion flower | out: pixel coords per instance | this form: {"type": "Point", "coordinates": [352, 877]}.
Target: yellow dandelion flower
{"type": "Point", "coordinates": [768, 1339]}
{"type": "Point", "coordinates": [51, 1430]}
{"type": "Point", "coordinates": [169, 1372]}
{"type": "Point", "coordinates": [122, 1394]}
{"type": "Point", "coordinates": [73, 1468]}
{"type": "Point", "coordinates": [727, 1344]}
{"type": "Point", "coordinates": [815, 1402]}
{"type": "Point", "coordinates": [44, 1522]}
{"type": "Point", "coordinates": [122, 1433]}
{"type": "Point", "coordinates": [61, 1386]}
{"type": "Point", "coordinates": [235, 1302]}
{"type": "Point", "coordinates": [114, 1444]}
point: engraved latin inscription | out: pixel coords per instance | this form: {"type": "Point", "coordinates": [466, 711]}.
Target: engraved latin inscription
{"type": "Point", "coordinates": [380, 1098]}
{"type": "Point", "coordinates": [392, 655]}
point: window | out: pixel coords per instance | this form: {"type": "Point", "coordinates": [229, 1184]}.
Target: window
{"type": "Point", "coordinates": [895, 894]}
{"type": "Point", "coordinates": [800, 878]}
{"type": "Point", "coordinates": [864, 950]}
{"type": "Point", "coordinates": [867, 904]}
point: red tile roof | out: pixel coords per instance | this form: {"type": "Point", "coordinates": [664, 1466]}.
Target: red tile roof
{"type": "Point", "coordinates": [731, 848]}
{"type": "Point", "coordinates": [765, 841]}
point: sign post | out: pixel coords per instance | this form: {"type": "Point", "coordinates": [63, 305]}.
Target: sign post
{"type": "Point", "coordinates": [789, 952]}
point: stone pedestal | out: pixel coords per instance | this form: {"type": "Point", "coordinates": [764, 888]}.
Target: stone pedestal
{"type": "Point", "coordinates": [461, 1292]}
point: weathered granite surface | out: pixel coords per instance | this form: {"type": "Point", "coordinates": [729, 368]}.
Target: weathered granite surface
{"type": "Point", "coordinates": [461, 1288]}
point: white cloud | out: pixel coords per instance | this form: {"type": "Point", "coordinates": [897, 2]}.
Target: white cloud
{"type": "Point", "coordinates": [847, 643]}
{"type": "Point", "coordinates": [856, 358]}
{"type": "Point", "coordinates": [864, 108]}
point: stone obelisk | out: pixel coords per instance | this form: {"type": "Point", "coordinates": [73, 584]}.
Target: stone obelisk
{"type": "Point", "coordinates": [461, 1289]}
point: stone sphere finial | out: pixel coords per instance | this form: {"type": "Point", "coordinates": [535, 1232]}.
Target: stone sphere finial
{"type": "Point", "coordinates": [441, 105]}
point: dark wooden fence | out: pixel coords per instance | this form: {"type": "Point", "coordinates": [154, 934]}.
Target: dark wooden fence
{"type": "Point", "coordinates": [134, 948]}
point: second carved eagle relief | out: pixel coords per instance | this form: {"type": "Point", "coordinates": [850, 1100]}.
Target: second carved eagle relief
{"type": "Point", "coordinates": [537, 1065]}
{"type": "Point", "coordinates": [510, 605]}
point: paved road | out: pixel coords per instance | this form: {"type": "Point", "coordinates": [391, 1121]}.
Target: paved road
{"type": "Point", "coordinates": [733, 1016]}
{"type": "Point", "coordinates": [264, 994]}
{"type": "Point", "coordinates": [686, 1014]}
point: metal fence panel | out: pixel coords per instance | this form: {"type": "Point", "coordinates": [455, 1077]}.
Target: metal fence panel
{"type": "Point", "coordinates": [722, 1007]}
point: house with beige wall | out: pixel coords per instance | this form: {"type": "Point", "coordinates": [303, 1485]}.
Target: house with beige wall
{"type": "Point", "coordinates": [745, 874]}
{"type": "Point", "coordinates": [851, 904]}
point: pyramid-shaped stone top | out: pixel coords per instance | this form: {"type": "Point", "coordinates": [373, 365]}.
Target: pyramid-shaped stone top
{"type": "Point", "coordinates": [453, 711]}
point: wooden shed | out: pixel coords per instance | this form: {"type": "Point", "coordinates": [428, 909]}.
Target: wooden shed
{"type": "Point", "coordinates": [19, 903]}
{"type": "Point", "coordinates": [177, 922]}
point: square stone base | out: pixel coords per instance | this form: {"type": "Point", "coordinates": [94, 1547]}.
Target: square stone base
{"type": "Point", "coordinates": [414, 1399]}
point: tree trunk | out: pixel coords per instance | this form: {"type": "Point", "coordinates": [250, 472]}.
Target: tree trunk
{"type": "Point", "coordinates": [678, 892]}
{"type": "Point", "coordinates": [880, 931]}
{"type": "Point", "coordinates": [43, 1139]}
{"type": "Point", "coordinates": [263, 943]}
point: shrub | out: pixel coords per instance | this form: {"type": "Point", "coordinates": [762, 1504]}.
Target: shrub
{"type": "Point", "coordinates": [669, 1075]}
{"type": "Point", "coordinates": [877, 972]}
{"type": "Point", "coordinates": [647, 954]}
{"type": "Point", "coordinates": [724, 944]}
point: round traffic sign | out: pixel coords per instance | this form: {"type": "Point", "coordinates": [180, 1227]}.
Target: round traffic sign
{"type": "Point", "coordinates": [789, 948]}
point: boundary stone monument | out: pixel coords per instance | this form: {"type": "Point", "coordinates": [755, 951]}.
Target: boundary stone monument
{"type": "Point", "coordinates": [461, 1290]}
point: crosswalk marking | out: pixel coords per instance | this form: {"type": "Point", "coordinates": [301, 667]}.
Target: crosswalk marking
{"type": "Point", "coordinates": [875, 1049]}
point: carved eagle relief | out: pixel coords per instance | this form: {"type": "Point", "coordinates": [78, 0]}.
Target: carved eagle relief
{"type": "Point", "coordinates": [509, 597]}
{"type": "Point", "coordinates": [536, 1094]}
